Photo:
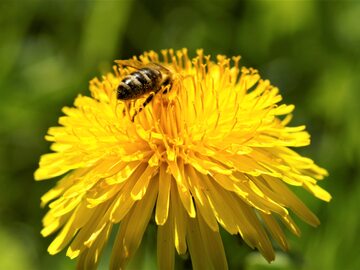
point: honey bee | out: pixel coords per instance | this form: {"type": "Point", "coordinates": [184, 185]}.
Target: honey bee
{"type": "Point", "coordinates": [147, 79]}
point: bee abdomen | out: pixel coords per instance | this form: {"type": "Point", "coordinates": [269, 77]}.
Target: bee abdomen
{"type": "Point", "coordinates": [138, 83]}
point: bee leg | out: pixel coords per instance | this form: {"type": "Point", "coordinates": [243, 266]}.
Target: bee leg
{"type": "Point", "coordinates": [166, 83]}
{"type": "Point", "coordinates": [148, 99]}
{"type": "Point", "coordinates": [126, 110]}
{"type": "Point", "coordinates": [146, 102]}
{"type": "Point", "coordinates": [116, 109]}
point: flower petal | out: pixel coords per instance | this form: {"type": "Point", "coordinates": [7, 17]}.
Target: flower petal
{"type": "Point", "coordinates": [133, 228]}
{"type": "Point", "coordinates": [163, 200]}
{"type": "Point", "coordinates": [165, 245]}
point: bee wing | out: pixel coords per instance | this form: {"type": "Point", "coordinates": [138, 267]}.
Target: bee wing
{"type": "Point", "coordinates": [159, 67]}
{"type": "Point", "coordinates": [136, 64]}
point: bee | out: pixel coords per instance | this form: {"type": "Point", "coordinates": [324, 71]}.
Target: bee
{"type": "Point", "coordinates": [147, 79]}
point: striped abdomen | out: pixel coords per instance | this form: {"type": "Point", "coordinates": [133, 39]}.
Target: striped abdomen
{"type": "Point", "coordinates": [138, 83]}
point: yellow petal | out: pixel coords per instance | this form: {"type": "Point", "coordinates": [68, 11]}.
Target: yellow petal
{"type": "Point", "coordinates": [142, 183]}
{"type": "Point", "coordinates": [179, 220]}
{"type": "Point", "coordinates": [165, 245]}
{"type": "Point", "coordinates": [132, 229]}
{"type": "Point", "coordinates": [213, 245]}
{"type": "Point", "coordinates": [163, 200]}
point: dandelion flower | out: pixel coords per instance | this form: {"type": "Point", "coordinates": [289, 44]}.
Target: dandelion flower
{"type": "Point", "coordinates": [214, 151]}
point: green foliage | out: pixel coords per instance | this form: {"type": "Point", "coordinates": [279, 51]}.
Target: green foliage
{"type": "Point", "coordinates": [309, 49]}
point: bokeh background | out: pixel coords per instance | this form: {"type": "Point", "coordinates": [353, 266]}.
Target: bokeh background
{"type": "Point", "coordinates": [49, 50]}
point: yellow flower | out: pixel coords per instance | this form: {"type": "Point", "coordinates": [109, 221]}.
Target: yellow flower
{"type": "Point", "coordinates": [214, 150]}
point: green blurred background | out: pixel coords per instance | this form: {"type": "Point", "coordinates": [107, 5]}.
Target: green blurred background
{"type": "Point", "coordinates": [49, 50]}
